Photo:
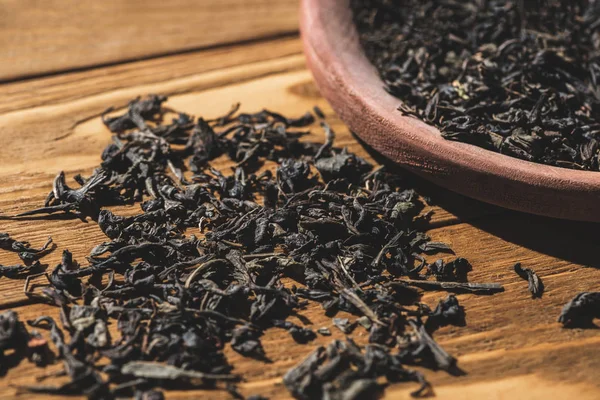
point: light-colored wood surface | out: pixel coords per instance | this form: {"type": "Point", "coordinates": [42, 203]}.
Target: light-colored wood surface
{"type": "Point", "coordinates": [49, 36]}
{"type": "Point", "coordinates": [512, 346]}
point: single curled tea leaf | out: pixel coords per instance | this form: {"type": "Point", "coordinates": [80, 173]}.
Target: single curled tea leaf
{"type": "Point", "coordinates": [299, 380]}
{"type": "Point", "coordinates": [139, 110]}
{"type": "Point", "coordinates": [300, 334]}
{"type": "Point", "coordinates": [436, 247]}
{"type": "Point", "coordinates": [447, 312]}
{"type": "Point", "coordinates": [423, 349]}
{"type": "Point", "coordinates": [581, 310]}
{"type": "Point", "coordinates": [14, 271]}
{"type": "Point", "coordinates": [536, 286]}
{"type": "Point", "coordinates": [480, 288]}
{"type": "Point", "coordinates": [26, 253]}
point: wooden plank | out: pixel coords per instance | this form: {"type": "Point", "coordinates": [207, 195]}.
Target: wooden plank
{"type": "Point", "coordinates": [41, 37]}
{"type": "Point", "coordinates": [511, 347]}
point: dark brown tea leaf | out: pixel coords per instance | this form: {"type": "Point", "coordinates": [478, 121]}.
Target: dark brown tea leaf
{"type": "Point", "coordinates": [515, 77]}
{"type": "Point", "coordinates": [536, 286]}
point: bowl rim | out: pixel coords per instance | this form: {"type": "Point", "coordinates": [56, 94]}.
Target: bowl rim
{"type": "Point", "coordinates": [351, 84]}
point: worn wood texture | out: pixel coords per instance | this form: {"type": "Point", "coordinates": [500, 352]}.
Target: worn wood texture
{"type": "Point", "coordinates": [40, 37]}
{"type": "Point", "coordinates": [512, 346]}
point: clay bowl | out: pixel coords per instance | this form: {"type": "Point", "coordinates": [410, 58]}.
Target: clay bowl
{"type": "Point", "coordinates": [351, 85]}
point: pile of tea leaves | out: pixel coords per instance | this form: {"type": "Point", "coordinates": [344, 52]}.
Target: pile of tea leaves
{"type": "Point", "coordinates": [519, 77]}
{"type": "Point", "coordinates": [293, 222]}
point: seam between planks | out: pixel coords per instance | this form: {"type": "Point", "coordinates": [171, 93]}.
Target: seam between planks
{"type": "Point", "coordinates": [199, 49]}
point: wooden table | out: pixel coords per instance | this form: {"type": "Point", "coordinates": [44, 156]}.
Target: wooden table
{"type": "Point", "coordinates": [58, 81]}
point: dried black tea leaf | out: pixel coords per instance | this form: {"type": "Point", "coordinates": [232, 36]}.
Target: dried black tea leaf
{"type": "Point", "coordinates": [14, 271]}
{"type": "Point", "coordinates": [24, 249]}
{"type": "Point", "coordinates": [161, 371]}
{"type": "Point", "coordinates": [342, 165]}
{"type": "Point", "coordinates": [64, 198]}
{"type": "Point", "coordinates": [246, 341]}
{"type": "Point", "coordinates": [139, 111]}
{"type": "Point", "coordinates": [358, 388]}
{"type": "Point", "coordinates": [455, 271]}
{"type": "Point", "coordinates": [536, 286]}
{"type": "Point", "coordinates": [365, 322]}
{"type": "Point", "coordinates": [344, 325]}
{"type": "Point", "coordinates": [13, 334]}
{"type": "Point", "coordinates": [324, 331]}
{"type": "Point", "coordinates": [351, 237]}
{"type": "Point", "coordinates": [422, 349]}
{"type": "Point", "coordinates": [447, 312]}
{"type": "Point", "coordinates": [300, 380]}
{"type": "Point", "coordinates": [435, 247]}
{"type": "Point", "coordinates": [519, 78]}
{"type": "Point", "coordinates": [38, 351]}
{"type": "Point", "coordinates": [344, 371]}
{"type": "Point", "coordinates": [460, 287]}
{"type": "Point", "coordinates": [581, 310]}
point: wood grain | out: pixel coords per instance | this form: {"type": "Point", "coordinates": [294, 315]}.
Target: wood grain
{"type": "Point", "coordinates": [40, 37]}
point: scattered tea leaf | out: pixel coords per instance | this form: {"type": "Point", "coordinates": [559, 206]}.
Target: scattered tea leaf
{"type": "Point", "coordinates": [536, 286]}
